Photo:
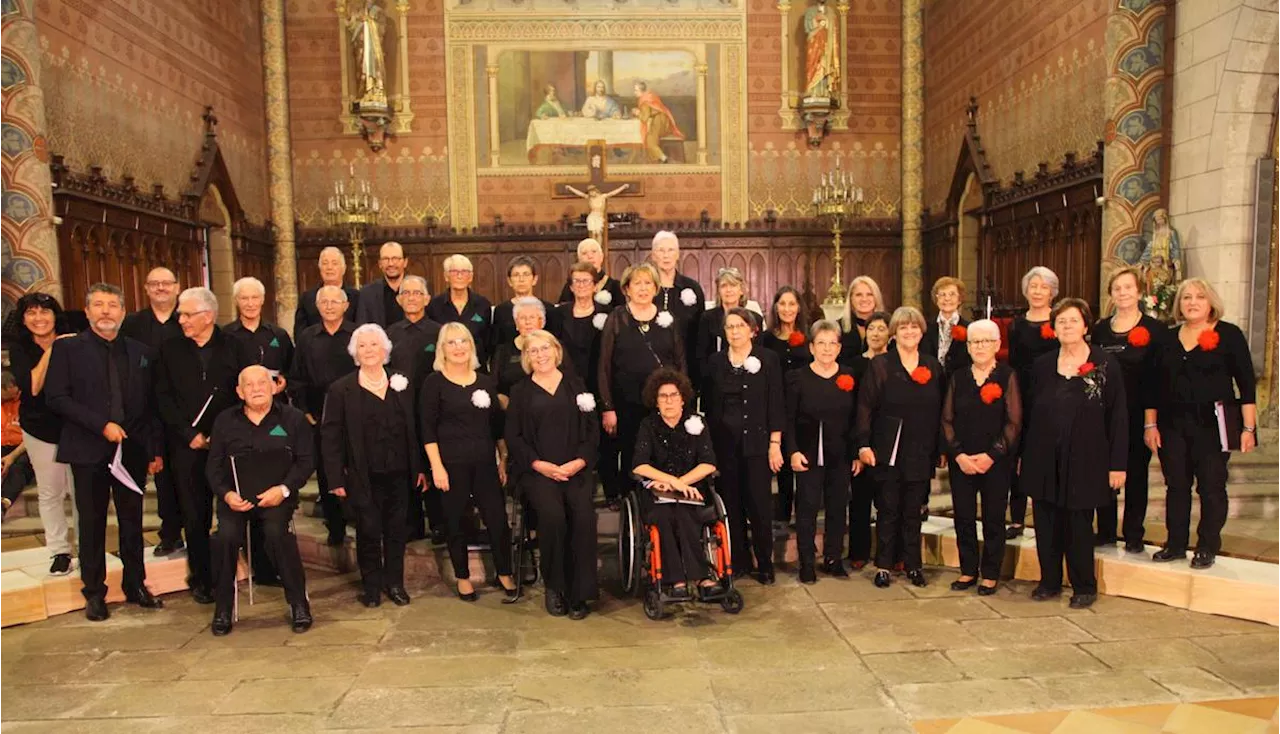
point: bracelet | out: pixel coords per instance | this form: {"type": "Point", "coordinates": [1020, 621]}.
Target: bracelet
{"type": "Point", "coordinates": [1251, 429]}
{"type": "Point", "coordinates": [776, 443]}
{"type": "Point", "coordinates": [1145, 426]}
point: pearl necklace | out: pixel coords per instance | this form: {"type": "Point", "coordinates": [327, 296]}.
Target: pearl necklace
{"type": "Point", "coordinates": [365, 382]}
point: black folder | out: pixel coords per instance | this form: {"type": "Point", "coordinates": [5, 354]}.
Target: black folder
{"type": "Point", "coordinates": [254, 472]}
{"type": "Point", "coordinates": [1230, 424]}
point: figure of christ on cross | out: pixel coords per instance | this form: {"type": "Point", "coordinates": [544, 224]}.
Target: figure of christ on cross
{"type": "Point", "coordinates": [594, 192]}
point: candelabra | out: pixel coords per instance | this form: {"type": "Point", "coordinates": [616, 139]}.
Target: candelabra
{"type": "Point", "coordinates": [354, 207]}
{"type": "Point", "coordinates": [837, 198]}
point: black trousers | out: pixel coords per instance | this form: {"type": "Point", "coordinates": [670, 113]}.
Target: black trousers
{"type": "Point", "coordinates": [684, 558]}
{"type": "Point", "coordinates": [786, 493]}
{"type": "Point", "coordinates": [167, 501]}
{"type": "Point", "coordinates": [1065, 533]}
{"type": "Point", "coordinates": [422, 507]}
{"type": "Point", "coordinates": [19, 476]}
{"type": "Point", "coordinates": [993, 488]}
{"type": "Point", "coordinates": [1017, 500]}
{"type": "Point", "coordinates": [277, 542]}
{"type": "Point", "coordinates": [1191, 452]}
{"type": "Point", "coordinates": [196, 502]}
{"type": "Point", "coordinates": [380, 532]}
{"type": "Point", "coordinates": [825, 487]}
{"type": "Point", "coordinates": [898, 519]}
{"type": "Point", "coordinates": [744, 485]}
{"type": "Point", "coordinates": [333, 507]}
{"type": "Point", "coordinates": [476, 484]}
{"type": "Point", "coordinates": [566, 534]}
{"type": "Point", "coordinates": [1136, 489]}
{"type": "Point", "coordinates": [863, 492]}
{"type": "Point", "coordinates": [617, 453]}
{"type": "Point", "coordinates": [95, 487]}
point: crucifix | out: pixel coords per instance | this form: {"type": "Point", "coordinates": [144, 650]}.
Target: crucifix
{"type": "Point", "coordinates": [597, 191]}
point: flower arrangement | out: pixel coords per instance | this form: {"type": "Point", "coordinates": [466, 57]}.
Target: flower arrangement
{"type": "Point", "coordinates": [1158, 303]}
{"type": "Point", "coordinates": [796, 339]}
{"type": "Point", "coordinates": [1094, 380]}
{"type": "Point", "coordinates": [921, 375]}
{"type": "Point", "coordinates": [845, 382]}
{"type": "Point", "coordinates": [586, 402]}
{"type": "Point", "coordinates": [990, 393]}
{"type": "Point", "coordinates": [1208, 340]}
{"type": "Point", "coordinates": [1139, 336]}
{"type": "Point", "coordinates": [694, 426]}
{"type": "Point", "coordinates": [959, 333]}
{"type": "Point", "coordinates": [480, 399]}
{"type": "Point", "coordinates": [1046, 331]}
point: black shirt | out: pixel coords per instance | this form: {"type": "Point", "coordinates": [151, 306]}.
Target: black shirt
{"type": "Point", "coordinates": [823, 406]}
{"type": "Point", "coordinates": [611, 286]}
{"type": "Point", "coordinates": [580, 338]}
{"type": "Point", "coordinates": [413, 348]}
{"type": "Point", "coordinates": [308, 314]}
{"type": "Point", "coordinates": [321, 359]}
{"type": "Point", "coordinates": [115, 363]}
{"type": "Point", "coordinates": [789, 357]}
{"type": "Point", "coordinates": [384, 433]}
{"type": "Point", "coordinates": [687, 302]}
{"type": "Point", "coordinates": [887, 395]}
{"type": "Point", "coordinates": [146, 328]}
{"type": "Point", "coordinates": [33, 414]}
{"type": "Point", "coordinates": [1135, 351]}
{"type": "Point", "coordinates": [391, 307]}
{"type": "Point", "coordinates": [744, 407]}
{"type": "Point", "coordinates": [465, 432]}
{"type": "Point", "coordinates": [957, 356]}
{"type": "Point", "coordinates": [268, 345]}
{"type": "Point", "coordinates": [674, 451]}
{"type": "Point", "coordinates": [971, 425]}
{"type": "Point", "coordinates": [630, 350]}
{"type": "Point", "coordinates": [477, 314]}
{"type": "Point", "coordinates": [1200, 377]}
{"type": "Point", "coordinates": [506, 367]}
{"type": "Point", "coordinates": [543, 426]}
{"type": "Point", "coordinates": [1026, 343]}
{"type": "Point", "coordinates": [235, 435]}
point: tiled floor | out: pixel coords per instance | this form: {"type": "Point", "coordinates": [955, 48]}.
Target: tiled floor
{"type": "Point", "coordinates": [1235, 716]}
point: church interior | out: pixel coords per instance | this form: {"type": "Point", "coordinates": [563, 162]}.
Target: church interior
{"type": "Point", "coordinates": [801, 143]}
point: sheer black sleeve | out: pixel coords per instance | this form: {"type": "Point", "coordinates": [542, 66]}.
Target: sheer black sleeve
{"type": "Point", "coordinates": [789, 445]}
{"type": "Point", "coordinates": [1006, 442]}
{"type": "Point", "coordinates": [950, 442]}
{"type": "Point", "coordinates": [869, 401]}
{"type": "Point", "coordinates": [604, 371]}
{"type": "Point", "coordinates": [1117, 416]}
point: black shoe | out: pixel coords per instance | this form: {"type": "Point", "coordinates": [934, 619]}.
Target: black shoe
{"type": "Point", "coordinates": [143, 598]}
{"type": "Point", "coordinates": [398, 595]}
{"type": "Point", "coordinates": [512, 593]}
{"type": "Point", "coordinates": [554, 602]}
{"type": "Point", "coordinates": [987, 590]}
{"type": "Point", "coordinates": [469, 596]}
{"type": "Point", "coordinates": [1134, 546]}
{"type": "Point", "coordinates": [807, 574]}
{"type": "Point", "coordinates": [167, 547]}
{"type": "Point", "coordinates": [834, 567]}
{"type": "Point", "coordinates": [221, 623]}
{"type": "Point", "coordinates": [882, 579]}
{"type": "Point", "coordinates": [61, 565]}
{"type": "Point", "coordinates": [95, 609]}
{"type": "Point", "coordinates": [272, 581]}
{"type": "Point", "coordinates": [917, 578]}
{"type": "Point", "coordinates": [370, 600]}
{"type": "Point", "coordinates": [202, 594]}
{"type": "Point", "coordinates": [336, 538]}
{"type": "Point", "coordinates": [924, 513]}
{"type": "Point", "coordinates": [766, 578]}
{"type": "Point", "coordinates": [1014, 531]}
{"type": "Point", "coordinates": [1083, 601]}
{"type": "Point", "coordinates": [579, 611]}
{"type": "Point", "coordinates": [300, 617]}
{"type": "Point", "coordinates": [1202, 560]}
{"type": "Point", "coordinates": [959, 585]}
{"type": "Point", "coordinates": [1043, 594]}
{"type": "Point", "coordinates": [1167, 555]}
{"type": "Point", "coordinates": [438, 537]}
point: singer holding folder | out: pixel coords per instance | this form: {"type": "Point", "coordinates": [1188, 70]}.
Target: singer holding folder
{"type": "Point", "coordinates": [100, 384]}
{"type": "Point", "coordinates": [260, 456]}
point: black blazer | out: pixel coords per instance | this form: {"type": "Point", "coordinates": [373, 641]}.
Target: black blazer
{"type": "Point", "coordinates": [957, 356]}
{"type": "Point", "coordinates": [766, 403]}
{"type": "Point", "coordinates": [369, 307]}
{"type": "Point", "coordinates": [75, 387]}
{"type": "Point", "coordinates": [183, 385]}
{"type": "Point", "coordinates": [521, 426]}
{"type": "Point", "coordinates": [342, 445]}
{"type": "Point", "coordinates": [887, 394]}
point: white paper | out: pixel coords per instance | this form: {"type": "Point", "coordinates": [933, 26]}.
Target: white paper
{"type": "Point", "coordinates": [893, 457]}
{"type": "Point", "coordinates": [822, 459]}
{"type": "Point", "coordinates": [202, 410]}
{"type": "Point", "coordinates": [1220, 413]}
{"type": "Point", "coordinates": [121, 474]}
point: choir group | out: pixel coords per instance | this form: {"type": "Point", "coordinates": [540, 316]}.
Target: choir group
{"type": "Point", "coordinates": [418, 412]}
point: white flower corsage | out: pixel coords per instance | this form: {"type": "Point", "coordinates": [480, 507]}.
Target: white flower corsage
{"type": "Point", "coordinates": [604, 298]}
{"type": "Point", "coordinates": [481, 399]}
{"type": "Point", "coordinates": [586, 402]}
{"type": "Point", "coordinates": [598, 321]}
{"type": "Point", "coordinates": [688, 297]}
{"type": "Point", "coordinates": [694, 426]}
{"type": "Point", "coordinates": [399, 382]}
{"type": "Point", "coordinates": [752, 364]}
{"type": "Point", "coordinates": [664, 319]}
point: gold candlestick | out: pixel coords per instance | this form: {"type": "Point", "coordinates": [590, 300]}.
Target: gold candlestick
{"type": "Point", "coordinates": [354, 208]}
{"type": "Point", "coordinates": [837, 197]}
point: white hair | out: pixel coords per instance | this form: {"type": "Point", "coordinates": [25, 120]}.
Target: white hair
{"type": "Point", "coordinates": [321, 290]}
{"type": "Point", "coordinates": [331, 250]}
{"type": "Point", "coordinates": [461, 262]}
{"type": "Point", "coordinates": [523, 302]}
{"type": "Point", "coordinates": [416, 278]}
{"type": "Point", "coordinates": [251, 283]}
{"type": "Point", "coordinates": [1049, 277]}
{"type": "Point", "coordinates": [383, 340]}
{"type": "Point", "coordinates": [208, 301]}
{"type": "Point", "coordinates": [984, 327]}
{"type": "Point", "coordinates": [588, 242]}
{"type": "Point", "coordinates": [664, 235]}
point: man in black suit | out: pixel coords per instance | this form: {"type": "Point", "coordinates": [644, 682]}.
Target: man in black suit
{"type": "Point", "coordinates": [333, 266]}
{"type": "Point", "coordinates": [378, 302]}
{"type": "Point", "coordinates": [100, 383]}
{"type": "Point", "coordinates": [196, 381]}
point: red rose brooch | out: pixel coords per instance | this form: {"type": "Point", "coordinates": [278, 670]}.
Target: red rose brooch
{"type": "Point", "coordinates": [1046, 331]}
{"type": "Point", "coordinates": [921, 375]}
{"type": "Point", "coordinates": [959, 333]}
{"type": "Point", "coordinates": [1094, 380]}
{"type": "Point", "coordinates": [990, 393]}
{"type": "Point", "coordinates": [1086, 368]}
{"type": "Point", "coordinates": [845, 382]}
{"type": "Point", "coordinates": [796, 339]}
{"type": "Point", "coordinates": [1139, 336]}
{"type": "Point", "coordinates": [1208, 340]}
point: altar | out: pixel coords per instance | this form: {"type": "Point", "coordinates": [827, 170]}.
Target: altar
{"type": "Point", "coordinates": [574, 132]}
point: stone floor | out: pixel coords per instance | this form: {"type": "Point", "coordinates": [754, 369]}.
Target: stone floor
{"type": "Point", "coordinates": [841, 656]}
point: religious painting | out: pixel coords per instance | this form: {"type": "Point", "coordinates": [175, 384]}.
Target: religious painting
{"type": "Point", "coordinates": [547, 106]}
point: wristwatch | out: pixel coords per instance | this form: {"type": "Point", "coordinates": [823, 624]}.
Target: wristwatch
{"type": "Point", "coordinates": [1251, 429]}
{"type": "Point", "coordinates": [285, 490]}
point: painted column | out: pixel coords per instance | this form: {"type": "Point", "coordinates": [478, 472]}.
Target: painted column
{"type": "Point", "coordinates": [1134, 136]}
{"type": "Point", "coordinates": [279, 159]}
{"type": "Point", "coordinates": [404, 106]}
{"type": "Point", "coordinates": [912, 149]}
{"type": "Point", "coordinates": [702, 113]}
{"type": "Point", "coordinates": [840, 118]}
{"type": "Point", "coordinates": [30, 245]}
{"type": "Point", "coordinates": [786, 110]}
{"type": "Point", "coordinates": [495, 145]}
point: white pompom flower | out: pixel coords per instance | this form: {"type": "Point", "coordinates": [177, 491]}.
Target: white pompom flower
{"type": "Point", "coordinates": [688, 297]}
{"type": "Point", "coordinates": [399, 382]}
{"type": "Point", "coordinates": [752, 364]}
{"type": "Point", "coordinates": [598, 321]}
{"type": "Point", "coordinates": [694, 426]}
{"type": "Point", "coordinates": [481, 399]}
{"type": "Point", "coordinates": [664, 319]}
{"type": "Point", "coordinates": [604, 298]}
{"type": "Point", "coordinates": [586, 402]}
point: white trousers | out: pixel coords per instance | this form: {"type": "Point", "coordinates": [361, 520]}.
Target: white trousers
{"type": "Point", "coordinates": [53, 480]}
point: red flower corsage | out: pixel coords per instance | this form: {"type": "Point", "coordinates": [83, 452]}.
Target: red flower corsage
{"type": "Point", "coordinates": [959, 333]}
{"type": "Point", "coordinates": [1086, 368]}
{"type": "Point", "coordinates": [796, 339]}
{"type": "Point", "coordinates": [1208, 340]}
{"type": "Point", "coordinates": [845, 382]}
{"type": "Point", "coordinates": [1046, 331]}
{"type": "Point", "coordinates": [1139, 336]}
{"type": "Point", "coordinates": [990, 393]}
{"type": "Point", "coordinates": [921, 375]}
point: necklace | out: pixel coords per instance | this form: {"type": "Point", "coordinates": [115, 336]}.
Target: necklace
{"type": "Point", "coordinates": [374, 385]}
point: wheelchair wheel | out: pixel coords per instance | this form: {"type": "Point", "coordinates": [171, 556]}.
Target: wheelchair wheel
{"type": "Point", "coordinates": [653, 605]}
{"type": "Point", "coordinates": [630, 547]}
{"type": "Point", "coordinates": [732, 602]}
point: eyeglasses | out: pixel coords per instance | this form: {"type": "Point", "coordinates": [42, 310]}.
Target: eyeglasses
{"type": "Point", "coordinates": [329, 302]}
{"type": "Point", "coordinates": [459, 342]}
{"type": "Point", "coordinates": [191, 314]}
{"type": "Point", "coordinates": [669, 395]}
{"type": "Point", "coordinates": [984, 342]}
{"type": "Point", "coordinates": [459, 271]}
{"type": "Point", "coordinates": [161, 283]}
{"type": "Point", "coordinates": [825, 343]}
{"type": "Point", "coordinates": [539, 350]}
{"type": "Point", "coordinates": [390, 259]}
{"type": "Point", "coordinates": [418, 293]}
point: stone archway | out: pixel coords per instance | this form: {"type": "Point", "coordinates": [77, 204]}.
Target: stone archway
{"type": "Point", "coordinates": [221, 257]}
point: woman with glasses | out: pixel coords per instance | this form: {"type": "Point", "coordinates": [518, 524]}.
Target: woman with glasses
{"type": "Point", "coordinates": [863, 300]}
{"type": "Point", "coordinates": [461, 428]}
{"type": "Point", "coordinates": [637, 339]}
{"type": "Point", "coordinates": [731, 293]}
{"type": "Point", "coordinates": [946, 335]}
{"type": "Point", "coordinates": [461, 304]}
{"type": "Point", "coordinates": [605, 290]}
{"type": "Point", "coordinates": [818, 438]}
{"type": "Point", "coordinates": [522, 276]}
{"type": "Point", "coordinates": [581, 321]}
{"type": "Point", "coordinates": [552, 430]}
{"type": "Point", "coordinates": [1031, 335]}
{"type": "Point", "coordinates": [863, 486]}
{"type": "Point", "coordinates": [981, 422]}
{"type": "Point", "coordinates": [507, 365]}
{"type": "Point", "coordinates": [786, 337]}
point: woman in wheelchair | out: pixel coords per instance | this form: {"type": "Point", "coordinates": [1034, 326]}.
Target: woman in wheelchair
{"type": "Point", "coordinates": [673, 457]}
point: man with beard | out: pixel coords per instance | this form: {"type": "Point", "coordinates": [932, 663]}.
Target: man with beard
{"type": "Point", "coordinates": [378, 304]}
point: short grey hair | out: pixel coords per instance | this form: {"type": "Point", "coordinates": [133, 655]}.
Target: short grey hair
{"type": "Point", "coordinates": [331, 250]}
{"type": "Point", "coordinates": [524, 302]}
{"type": "Point", "coordinates": [823, 326]}
{"type": "Point", "coordinates": [589, 242]}
{"type": "Point", "coordinates": [664, 235]}
{"type": "Point", "coordinates": [984, 327]}
{"type": "Point", "coordinates": [1049, 277]}
{"type": "Point", "coordinates": [106, 288]}
{"type": "Point", "coordinates": [383, 340]}
{"type": "Point", "coordinates": [458, 261]}
{"type": "Point", "coordinates": [251, 283]}
{"type": "Point", "coordinates": [208, 301]}
{"type": "Point", "coordinates": [417, 279]}
{"type": "Point", "coordinates": [342, 292]}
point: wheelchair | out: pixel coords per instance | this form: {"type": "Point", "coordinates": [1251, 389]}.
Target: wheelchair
{"type": "Point", "coordinates": [524, 542]}
{"type": "Point", "coordinates": [640, 557]}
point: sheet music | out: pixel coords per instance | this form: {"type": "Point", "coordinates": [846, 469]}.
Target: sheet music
{"type": "Point", "coordinates": [203, 409]}
{"type": "Point", "coordinates": [822, 459]}
{"type": "Point", "coordinates": [121, 474]}
{"type": "Point", "coordinates": [893, 457]}
{"type": "Point", "coordinates": [235, 478]}
{"type": "Point", "coordinates": [1220, 413]}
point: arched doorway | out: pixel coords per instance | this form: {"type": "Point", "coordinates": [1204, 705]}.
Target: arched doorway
{"type": "Point", "coordinates": [220, 255]}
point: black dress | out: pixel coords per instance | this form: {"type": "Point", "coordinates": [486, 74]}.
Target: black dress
{"type": "Point", "coordinates": [1028, 340]}
{"type": "Point", "coordinates": [820, 412]}
{"type": "Point", "coordinates": [506, 367]}
{"type": "Point", "coordinates": [580, 337]}
{"type": "Point", "coordinates": [675, 451]}
{"type": "Point", "coordinates": [611, 286]}
{"type": "Point", "coordinates": [790, 357]}
{"type": "Point", "coordinates": [862, 488]}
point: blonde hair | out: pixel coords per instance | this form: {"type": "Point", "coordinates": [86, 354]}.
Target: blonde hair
{"type": "Point", "coordinates": [732, 275]}
{"type": "Point", "coordinates": [870, 283]}
{"type": "Point", "coordinates": [906, 315]}
{"type": "Point", "coordinates": [523, 342]}
{"type": "Point", "coordinates": [445, 337]}
{"type": "Point", "coordinates": [646, 268]}
{"type": "Point", "coordinates": [1217, 309]}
